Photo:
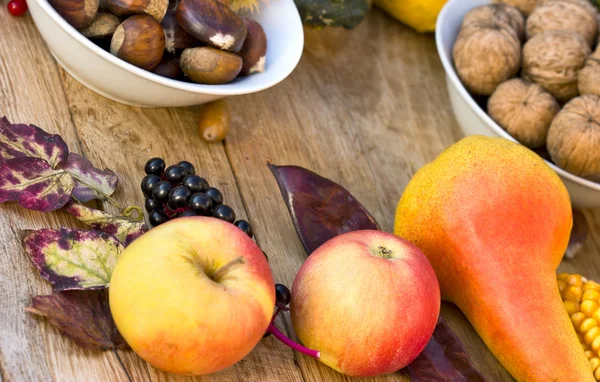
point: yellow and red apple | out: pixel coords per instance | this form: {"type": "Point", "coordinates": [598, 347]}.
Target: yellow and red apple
{"type": "Point", "coordinates": [368, 301]}
{"type": "Point", "coordinates": [192, 296]}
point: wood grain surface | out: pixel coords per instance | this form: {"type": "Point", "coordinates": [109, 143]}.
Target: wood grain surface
{"type": "Point", "coordinates": [366, 108]}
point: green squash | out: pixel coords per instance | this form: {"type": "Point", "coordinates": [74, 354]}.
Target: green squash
{"type": "Point", "coordinates": [333, 13]}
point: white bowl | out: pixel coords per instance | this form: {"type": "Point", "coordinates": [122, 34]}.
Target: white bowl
{"type": "Point", "coordinates": [122, 82]}
{"type": "Point", "coordinates": [473, 120]}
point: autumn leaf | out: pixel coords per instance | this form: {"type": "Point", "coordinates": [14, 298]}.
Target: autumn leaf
{"type": "Point", "coordinates": [123, 228]}
{"type": "Point", "coordinates": [444, 359]}
{"type": "Point", "coordinates": [73, 259]}
{"type": "Point", "coordinates": [92, 183]}
{"type": "Point", "coordinates": [81, 315]}
{"type": "Point", "coordinates": [320, 208]}
{"type": "Point", "coordinates": [21, 140]}
{"type": "Point", "coordinates": [34, 184]}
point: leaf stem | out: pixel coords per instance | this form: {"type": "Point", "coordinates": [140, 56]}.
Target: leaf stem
{"type": "Point", "coordinates": [295, 346]}
{"type": "Point", "coordinates": [134, 213]}
{"type": "Point", "coordinates": [102, 194]}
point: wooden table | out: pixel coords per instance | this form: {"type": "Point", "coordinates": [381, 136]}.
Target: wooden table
{"type": "Point", "coordinates": [366, 108]}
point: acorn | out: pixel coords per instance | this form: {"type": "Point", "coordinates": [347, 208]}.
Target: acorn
{"type": "Point", "coordinates": [103, 26]}
{"type": "Point", "coordinates": [139, 40]}
{"type": "Point", "coordinates": [78, 13]}
{"type": "Point", "coordinates": [154, 8]}
{"type": "Point", "coordinates": [214, 121]}
{"type": "Point", "coordinates": [254, 50]}
{"type": "Point", "coordinates": [176, 38]}
{"type": "Point", "coordinates": [169, 67]}
{"type": "Point", "coordinates": [206, 65]}
{"type": "Point", "coordinates": [212, 23]}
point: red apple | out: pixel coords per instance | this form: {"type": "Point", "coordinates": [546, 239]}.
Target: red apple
{"type": "Point", "coordinates": [368, 301]}
{"type": "Point", "coordinates": [192, 296]}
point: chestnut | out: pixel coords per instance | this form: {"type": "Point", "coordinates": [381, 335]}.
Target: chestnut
{"type": "Point", "coordinates": [176, 38]}
{"type": "Point", "coordinates": [155, 8]}
{"type": "Point", "coordinates": [103, 26]}
{"type": "Point", "coordinates": [212, 23]}
{"type": "Point", "coordinates": [169, 67]}
{"type": "Point", "coordinates": [206, 65]}
{"type": "Point", "coordinates": [139, 40]}
{"type": "Point", "coordinates": [254, 50]}
{"type": "Point", "coordinates": [78, 13]}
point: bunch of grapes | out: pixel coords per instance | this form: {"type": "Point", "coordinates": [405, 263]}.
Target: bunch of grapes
{"type": "Point", "coordinates": [176, 191]}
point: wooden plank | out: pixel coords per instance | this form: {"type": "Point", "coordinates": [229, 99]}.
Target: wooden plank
{"type": "Point", "coordinates": [30, 349]}
{"type": "Point", "coordinates": [123, 138]}
{"type": "Point", "coordinates": [366, 108]}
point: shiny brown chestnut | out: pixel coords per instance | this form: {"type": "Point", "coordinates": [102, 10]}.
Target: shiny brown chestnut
{"type": "Point", "coordinates": [169, 67]}
{"type": "Point", "coordinates": [139, 40]}
{"type": "Point", "coordinates": [212, 23]}
{"type": "Point", "coordinates": [78, 13]}
{"type": "Point", "coordinates": [176, 38]}
{"type": "Point", "coordinates": [206, 65]}
{"type": "Point", "coordinates": [254, 50]}
{"type": "Point", "coordinates": [103, 26]}
{"type": "Point", "coordinates": [154, 8]}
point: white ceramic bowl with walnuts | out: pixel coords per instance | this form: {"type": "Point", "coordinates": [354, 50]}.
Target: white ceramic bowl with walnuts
{"type": "Point", "coordinates": [472, 119]}
{"type": "Point", "coordinates": [122, 82]}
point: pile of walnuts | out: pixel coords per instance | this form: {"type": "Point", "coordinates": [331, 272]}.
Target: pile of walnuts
{"type": "Point", "coordinates": [534, 60]}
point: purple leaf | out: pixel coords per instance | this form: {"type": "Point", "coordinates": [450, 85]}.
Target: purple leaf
{"type": "Point", "coordinates": [73, 259]}
{"type": "Point", "coordinates": [444, 359]}
{"type": "Point", "coordinates": [124, 229]}
{"type": "Point", "coordinates": [92, 183]}
{"type": "Point", "coordinates": [82, 316]}
{"type": "Point", "coordinates": [321, 209]}
{"type": "Point", "coordinates": [34, 184]}
{"type": "Point", "coordinates": [20, 140]}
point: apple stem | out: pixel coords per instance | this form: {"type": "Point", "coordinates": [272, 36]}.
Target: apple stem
{"type": "Point", "coordinates": [297, 347]}
{"type": "Point", "coordinates": [221, 271]}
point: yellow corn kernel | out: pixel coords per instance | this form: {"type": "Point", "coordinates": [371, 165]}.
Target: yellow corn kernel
{"type": "Point", "coordinates": [562, 276]}
{"type": "Point", "coordinates": [572, 307]}
{"type": "Point", "coordinates": [595, 362]}
{"type": "Point", "coordinates": [590, 354]}
{"type": "Point", "coordinates": [572, 293]}
{"type": "Point", "coordinates": [591, 335]}
{"type": "Point", "coordinates": [586, 325]}
{"type": "Point", "coordinates": [562, 285]}
{"type": "Point", "coordinates": [596, 315]}
{"type": "Point", "coordinates": [597, 374]}
{"type": "Point", "coordinates": [588, 307]}
{"type": "Point", "coordinates": [591, 285]}
{"type": "Point", "coordinates": [596, 345]}
{"type": "Point", "coordinates": [574, 280]}
{"type": "Point", "coordinates": [590, 294]}
{"type": "Point", "coordinates": [577, 319]}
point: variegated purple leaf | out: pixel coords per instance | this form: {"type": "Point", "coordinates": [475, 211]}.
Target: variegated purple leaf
{"type": "Point", "coordinates": [82, 316]}
{"type": "Point", "coordinates": [73, 259]}
{"type": "Point", "coordinates": [20, 140]}
{"type": "Point", "coordinates": [34, 184]}
{"type": "Point", "coordinates": [92, 183]}
{"type": "Point", "coordinates": [123, 228]}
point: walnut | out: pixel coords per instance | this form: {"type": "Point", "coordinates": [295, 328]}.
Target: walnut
{"type": "Point", "coordinates": [574, 136]}
{"type": "Point", "coordinates": [589, 76]}
{"type": "Point", "coordinates": [525, 6]}
{"type": "Point", "coordinates": [553, 59]}
{"type": "Point", "coordinates": [577, 16]}
{"type": "Point", "coordinates": [524, 109]}
{"type": "Point", "coordinates": [502, 14]}
{"type": "Point", "coordinates": [485, 55]}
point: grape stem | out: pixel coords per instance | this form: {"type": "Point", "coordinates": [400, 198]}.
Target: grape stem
{"type": "Point", "coordinates": [295, 346]}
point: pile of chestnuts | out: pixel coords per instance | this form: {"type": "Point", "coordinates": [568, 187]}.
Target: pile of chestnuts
{"type": "Point", "coordinates": [203, 41]}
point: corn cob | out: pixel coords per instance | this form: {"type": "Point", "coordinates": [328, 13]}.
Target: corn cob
{"type": "Point", "coordinates": [581, 298]}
